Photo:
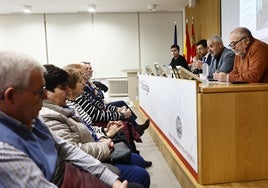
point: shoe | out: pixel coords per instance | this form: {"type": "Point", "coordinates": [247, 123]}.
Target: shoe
{"type": "Point", "coordinates": [140, 128]}
{"type": "Point", "coordinates": [147, 164]}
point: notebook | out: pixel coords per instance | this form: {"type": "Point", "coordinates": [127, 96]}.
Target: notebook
{"type": "Point", "coordinates": [182, 73]}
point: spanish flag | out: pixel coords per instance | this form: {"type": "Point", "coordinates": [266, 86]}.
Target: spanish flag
{"type": "Point", "coordinates": [187, 45]}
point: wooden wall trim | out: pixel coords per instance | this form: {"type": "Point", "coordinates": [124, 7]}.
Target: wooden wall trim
{"type": "Point", "coordinates": [207, 18]}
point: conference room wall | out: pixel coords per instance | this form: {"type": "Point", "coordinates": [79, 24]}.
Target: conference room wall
{"type": "Point", "coordinates": [69, 38]}
{"type": "Point", "coordinates": [23, 33]}
{"type": "Point", "coordinates": [111, 41]}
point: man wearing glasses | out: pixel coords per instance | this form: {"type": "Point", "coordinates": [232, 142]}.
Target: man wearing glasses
{"type": "Point", "coordinates": [222, 57]}
{"type": "Point", "coordinates": [251, 60]}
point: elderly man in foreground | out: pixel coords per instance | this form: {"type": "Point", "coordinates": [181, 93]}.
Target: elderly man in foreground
{"type": "Point", "coordinates": [31, 155]}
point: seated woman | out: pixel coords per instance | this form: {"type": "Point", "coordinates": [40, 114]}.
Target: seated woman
{"type": "Point", "coordinates": [68, 125]}
{"type": "Point", "coordinates": [101, 113]}
{"type": "Point", "coordinates": [92, 94]}
{"type": "Point", "coordinates": [111, 128]}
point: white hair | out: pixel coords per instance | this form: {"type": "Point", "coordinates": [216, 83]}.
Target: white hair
{"type": "Point", "coordinates": [16, 68]}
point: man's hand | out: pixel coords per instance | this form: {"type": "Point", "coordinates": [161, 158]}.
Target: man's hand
{"type": "Point", "coordinates": [220, 76]}
{"type": "Point", "coordinates": [198, 64]}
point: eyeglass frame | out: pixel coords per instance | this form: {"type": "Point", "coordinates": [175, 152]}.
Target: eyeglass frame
{"type": "Point", "coordinates": [40, 92]}
{"type": "Point", "coordinates": [234, 43]}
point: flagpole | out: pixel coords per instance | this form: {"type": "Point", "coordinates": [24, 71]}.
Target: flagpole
{"type": "Point", "coordinates": [175, 33]}
{"type": "Point", "coordinates": [193, 46]}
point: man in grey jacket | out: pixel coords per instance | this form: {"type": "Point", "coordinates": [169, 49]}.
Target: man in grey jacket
{"type": "Point", "coordinates": [222, 57]}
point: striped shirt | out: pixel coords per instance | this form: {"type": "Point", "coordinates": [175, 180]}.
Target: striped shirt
{"type": "Point", "coordinates": [96, 112]}
{"type": "Point", "coordinates": [86, 118]}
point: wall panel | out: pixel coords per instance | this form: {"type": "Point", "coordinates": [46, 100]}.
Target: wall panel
{"type": "Point", "coordinates": [207, 20]}
{"type": "Point", "coordinates": [115, 44]}
{"type": "Point", "coordinates": [157, 35]}
{"type": "Point", "coordinates": [112, 42]}
{"type": "Point", "coordinates": [69, 38]}
{"type": "Point", "coordinates": [23, 33]}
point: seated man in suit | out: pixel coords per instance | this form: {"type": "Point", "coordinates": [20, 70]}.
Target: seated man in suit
{"type": "Point", "coordinates": [222, 57]}
{"type": "Point", "coordinates": [30, 154]}
{"type": "Point", "coordinates": [203, 55]}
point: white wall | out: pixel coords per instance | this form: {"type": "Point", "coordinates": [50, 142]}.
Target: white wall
{"type": "Point", "coordinates": [116, 43]}
{"type": "Point", "coordinates": [229, 18]}
{"type": "Point", "coordinates": [251, 14]}
{"type": "Point", "coordinates": [110, 41]}
{"type": "Point", "coordinates": [69, 38]}
{"type": "Point", "coordinates": [23, 33]}
{"type": "Point", "coordinates": [156, 34]}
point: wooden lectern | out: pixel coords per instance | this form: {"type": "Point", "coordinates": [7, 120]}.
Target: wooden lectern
{"type": "Point", "coordinates": [132, 77]}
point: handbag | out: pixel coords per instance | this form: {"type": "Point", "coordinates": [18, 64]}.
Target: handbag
{"type": "Point", "coordinates": [121, 153]}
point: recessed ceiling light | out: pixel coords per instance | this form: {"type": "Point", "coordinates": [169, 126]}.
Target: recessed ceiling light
{"type": "Point", "coordinates": [91, 8]}
{"type": "Point", "coordinates": [27, 9]}
{"type": "Point", "coordinates": [152, 7]}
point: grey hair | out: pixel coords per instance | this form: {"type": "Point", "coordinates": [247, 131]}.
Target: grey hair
{"type": "Point", "coordinates": [215, 39]}
{"type": "Point", "coordinates": [16, 68]}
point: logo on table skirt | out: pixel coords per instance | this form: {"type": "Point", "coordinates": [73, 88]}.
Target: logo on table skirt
{"type": "Point", "coordinates": [179, 127]}
{"type": "Point", "coordinates": [145, 87]}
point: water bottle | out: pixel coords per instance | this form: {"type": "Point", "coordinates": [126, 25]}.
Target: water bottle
{"type": "Point", "coordinates": [205, 72]}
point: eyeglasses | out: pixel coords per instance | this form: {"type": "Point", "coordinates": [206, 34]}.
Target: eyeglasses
{"type": "Point", "coordinates": [234, 43]}
{"type": "Point", "coordinates": [39, 92]}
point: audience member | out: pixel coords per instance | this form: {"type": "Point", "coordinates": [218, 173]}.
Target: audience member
{"type": "Point", "coordinates": [67, 123]}
{"type": "Point", "coordinates": [100, 114]}
{"type": "Point", "coordinates": [222, 57]}
{"type": "Point", "coordinates": [204, 56]}
{"type": "Point", "coordinates": [100, 111]}
{"type": "Point", "coordinates": [30, 154]}
{"type": "Point", "coordinates": [177, 59]}
{"type": "Point", "coordinates": [92, 92]}
{"type": "Point", "coordinates": [251, 60]}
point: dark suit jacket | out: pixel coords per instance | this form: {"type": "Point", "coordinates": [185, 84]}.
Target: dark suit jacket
{"type": "Point", "coordinates": [225, 63]}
